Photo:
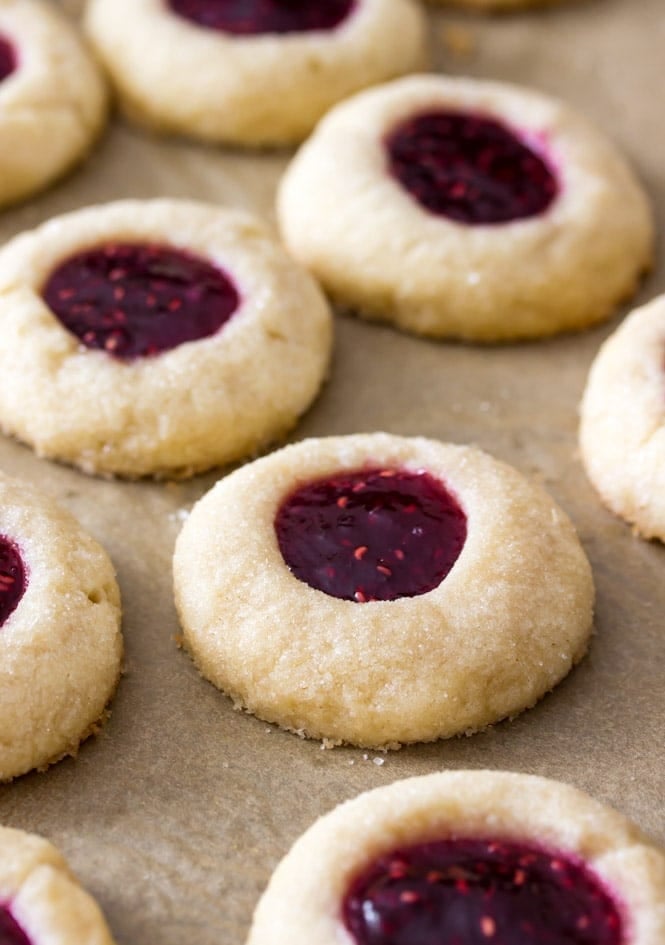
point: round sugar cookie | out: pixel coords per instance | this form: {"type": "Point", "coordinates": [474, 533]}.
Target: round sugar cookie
{"type": "Point", "coordinates": [156, 338]}
{"type": "Point", "coordinates": [470, 858]}
{"type": "Point", "coordinates": [251, 73]}
{"type": "Point", "coordinates": [379, 590]}
{"type": "Point", "coordinates": [622, 431]}
{"type": "Point", "coordinates": [60, 641]}
{"type": "Point", "coordinates": [41, 901]}
{"type": "Point", "coordinates": [466, 209]}
{"type": "Point", "coordinates": [53, 99]}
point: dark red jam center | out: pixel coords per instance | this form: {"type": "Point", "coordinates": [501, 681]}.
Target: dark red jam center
{"type": "Point", "coordinates": [8, 60]}
{"type": "Point", "coordinates": [11, 932]}
{"type": "Point", "coordinates": [375, 534]}
{"type": "Point", "coordinates": [139, 300]}
{"type": "Point", "coordinates": [469, 168]}
{"type": "Point", "coordinates": [249, 17]}
{"type": "Point", "coordinates": [12, 579]}
{"type": "Point", "coordinates": [479, 892]}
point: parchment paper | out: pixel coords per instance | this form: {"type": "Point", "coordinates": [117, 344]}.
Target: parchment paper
{"type": "Point", "coordinates": [176, 814]}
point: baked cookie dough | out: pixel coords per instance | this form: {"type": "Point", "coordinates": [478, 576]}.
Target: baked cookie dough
{"type": "Point", "coordinates": [622, 431]}
{"type": "Point", "coordinates": [156, 338]}
{"type": "Point", "coordinates": [42, 903]}
{"type": "Point", "coordinates": [251, 73]}
{"type": "Point", "coordinates": [60, 642]}
{"type": "Point", "coordinates": [53, 99]}
{"type": "Point", "coordinates": [471, 858]}
{"type": "Point", "coordinates": [495, 6]}
{"type": "Point", "coordinates": [379, 590]}
{"type": "Point", "coordinates": [466, 209]}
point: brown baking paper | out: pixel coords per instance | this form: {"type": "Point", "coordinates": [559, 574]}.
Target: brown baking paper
{"type": "Point", "coordinates": [176, 814]}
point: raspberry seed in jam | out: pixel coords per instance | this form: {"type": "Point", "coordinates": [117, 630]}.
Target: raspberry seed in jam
{"type": "Point", "coordinates": [369, 535]}
{"type": "Point", "coordinates": [252, 17]}
{"type": "Point", "coordinates": [470, 168]}
{"type": "Point", "coordinates": [139, 300]}
{"type": "Point", "coordinates": [8, 59]}
{"type": "Point", "coordinates": [480, 892]}
{"type": "Point", "coordinates": [12, 580]}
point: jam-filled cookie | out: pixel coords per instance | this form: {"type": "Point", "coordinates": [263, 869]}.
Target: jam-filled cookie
{"type": "Point", "coordinates": [60, 641]}
{"type": "Point", "coordinates": [377, 590]}
{"type": "Point", "coordinates": [622, 432]}
{"type": "Point", "coordinates": [52, 97]}
{"type": "Point", "coordinates": [41, 903]}
{"type": "Point", "coordinates": [466, 209]}
{"type": "Point", "coordinates": [467, 858]}
{"type": "Point", "coordinates": [250, 72]}
{"type": "Point", "coordinates": [159, 337]}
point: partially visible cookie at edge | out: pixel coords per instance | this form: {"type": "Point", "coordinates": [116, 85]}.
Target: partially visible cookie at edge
{"type": "Point", "coordinates": [60, 640]}
{"type": "Point", "coordinates": [622, 428]}
{"type": "Point", "coordinates": [53, 99]}
{"type": "Point", "coordinates": [256, 75]}
{"type": "Point", "coordinates": [41, 901]}
{"type": "Point", "coordinates": [467, 856]}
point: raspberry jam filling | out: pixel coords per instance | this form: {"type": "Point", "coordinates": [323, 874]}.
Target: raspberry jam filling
{"type": "Point", "coordinates": [139, 300]}
{"type": "Point", "coordinates": [375, 534]}
{"type": "Point", "coordinates": [12, 578]}
{"type": "Point", "coordinates": [8, 59]}
{"type": "Point", "coordinates": [251, 17]}
{"type": "Point", "coordinates": [11, 932]}
{"type": "Point", "coordinates": [469, 168]}
{"type": "Point", "coordinates": [480, 892]}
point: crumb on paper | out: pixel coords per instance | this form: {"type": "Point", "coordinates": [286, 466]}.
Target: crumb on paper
{"type": "Point", "coordinates": [179, 516]}
{"type": "Point", "coordinates": [458, 41]}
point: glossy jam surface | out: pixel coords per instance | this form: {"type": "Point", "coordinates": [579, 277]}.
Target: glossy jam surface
{"type": "Point", "coordinates": [479, 892]}
{"type": "Point", "coordinates": [8, 58]}
{"type": "Point", "coordinates": [375, 534]}
{"type": "Point", "coordinates": [139, 300]}
{"type": "Point", "coordinates": [469, 168]}
{"type": "Point", "coordinates": [12, 578]}
{"type": "Point", "coordinates": [11, 932]}
{"type": "Point", "coordinates": [251, 17]}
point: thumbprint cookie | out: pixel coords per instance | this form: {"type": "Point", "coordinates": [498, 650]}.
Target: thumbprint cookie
{"type": "Point", "coordinates": [156, 338]}
{"type": "Point", "coordinates": [466, 209]}
{"type": "Point", "coordinates": [379, 590]}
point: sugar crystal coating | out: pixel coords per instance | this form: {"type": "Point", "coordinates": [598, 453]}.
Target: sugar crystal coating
{"type": "Point", "coordinates": [12, 578]}
{"type": "Point", "coordinates": [470, 168]}
{"type": "Point", "coordinates": [480, 892]}
{"type": "Point", "coordinates": [139, 300]}
{"type": "Point", "coordinates": [251, 17]}
{"type": "Point", "coordinates": [375, 534]}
